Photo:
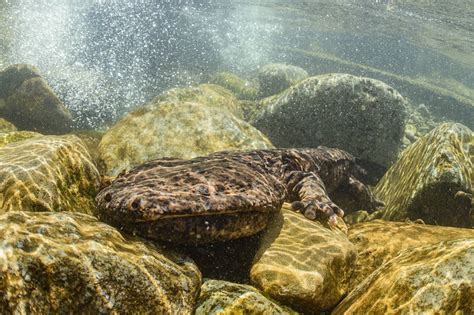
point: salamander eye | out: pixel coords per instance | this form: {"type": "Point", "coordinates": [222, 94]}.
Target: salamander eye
{"type": "Point", "coordinates": [136, 204]}
{"type": "Point", "coordinates": [108, 197]}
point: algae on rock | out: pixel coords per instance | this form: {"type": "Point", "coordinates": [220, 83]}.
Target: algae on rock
{"type": "Point", "coordinates": [432, 180]}
{"type": "Point", "coordinates": [428, 279]}
{"type": "Point", "coordinates": [61, 263]}
{"type": "Point", "coordinates": [303, 264]}
{"type": "Point", "coordinates": [363, 116]}
{"type": "Point", "coordinates": [243, 89]}
{"type": "Point", "coordinates": [210, 95]}
{"type": "Point", "coordinates": [175, 129]}
{"type": "Point", "coordinates": [276, 77]}
{"type": "Point", "coordinates": [227, 298]}
{"type": "Point", "coordinates": [47, 173]}
{"type": "Point", "coordinates": [379, 241]}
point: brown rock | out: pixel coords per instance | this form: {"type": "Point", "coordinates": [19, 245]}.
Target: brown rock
{"type": "Point", "coordinates": [69, 263]}
{"type": "Point", "coordinates": [379, 241]}
{"type": "Point", "coordinates": [430, 279]}
{"type": "Point", "coordinates": [303, 264]}
{"type": "Point", "coordinates": [47, 173]}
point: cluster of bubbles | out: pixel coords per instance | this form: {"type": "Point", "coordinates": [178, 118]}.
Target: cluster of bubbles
{"type": "Point", "coordinates": [105, 57]}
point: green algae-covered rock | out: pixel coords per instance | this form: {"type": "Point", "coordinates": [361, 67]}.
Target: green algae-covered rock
{"type": "Point", "coordinates": [70, 263]}
{"type": "Point", "coordinates": [379, 241]}
{"type": "Point", "coordinates": [227, 298]}
{"type": "Point", "coordinates": [363, 116]}
{"type": "Point", "coordinates": [432, 180]}
{"type": "Point", "coordinates": [434, 279]}
{"type": "Point", "coordinates": [47, 173]}
{"type": "Point", "coordinates": [29, 103]}
{"type": "Point", "coordinates": [181, 130]}
{"type": "Point", "coordinates": [15, 136]}
{"type": "Point", "coordinates": [6, 126]}
{"type": "Point", "coordinates": [303, 264]}
{"type": "Point", "coordinates": [276, 77]}
{"type": "Point", "coordinates": [243, 89]}
{"type": "Point", "coordinates": [210, 95]}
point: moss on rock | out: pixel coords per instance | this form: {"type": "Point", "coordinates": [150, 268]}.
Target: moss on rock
{"type": "Point", "coordinates": [379, 241]}
{"type": "Point", "coordinates": [298, 260]}
{"type": "Point", "coordinates": [47, 173]}
{"type": "Point", "coordinates": [276, 77]}
{"type": "Point", "coordinates": [6, 126]}
{"type": "Point", "coordinates": [175, 129]}
{"type": "Point", "coordinates": [15, 136]}
{"type": "Point", "coordinates": [210, 95]}
{"type": "Point", "coordinates": [363, 116]}
{"type": "Point", "coordinates": [432, 179]}
{"type": "Point", "coordinates": [61, 263]}
{"type": "Point", "coordinates": [227, 298]}
{"type": "Point", "coordinates": [243, 89]}
{"type": "Point", "coordinates": [428, 279]}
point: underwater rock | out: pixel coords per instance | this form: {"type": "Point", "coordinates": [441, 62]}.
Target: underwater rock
{"type": "Point", "coordinates": [303, 264]}
{"type": "Point", "coordinates": [58, 263]}
{"type": "Point", "coordinates": [363, 116]}
{"type": "Point", "coordinates": [276, 77]}
{"type": "Point", "coordinates": [429, 279]}
{"type": "Point", "coordinates": [211, 95]}
{"type": "Point", "coordinates": [47, 173]}
{"type": "Point", "coordinates": [30, 104]}
{"type": "Point", "coordinates": [14, 76]}
{"type": "Point", "coordinates": [6, 126]}
{"type": "Point", "coordinates": [379, 241]}
{"type": "Point", "coordinates": [432, 180]}
{"type": "Point", "coordinates": [175, 129]}
{"type": "Point", "coordinates": [15, 136]}
{"type": "Point", "coordinates": [418, 123]}
{"type": "Point", "coordinates": [243, 89]}
{"type": "Point", "coordinates": [222, 297]}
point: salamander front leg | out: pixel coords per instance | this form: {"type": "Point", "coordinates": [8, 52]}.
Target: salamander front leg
{"type": "Point", "coordinates": [309, 196]}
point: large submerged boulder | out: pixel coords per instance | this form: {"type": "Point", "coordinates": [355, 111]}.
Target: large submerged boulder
{"type": "Point", "coordinates": [432, 180]}
{"type": "Point", "coordinates": [227, 298]}
{"type": "Point", "coordinates": [435, 278]}
{"type": "Point", "coordinates": [47, 173]}
{"type": "Point", "coordinates": [303, 264]}
{"type": "Point", "coordinates": [28, 102]}
{"type": "Point", "coordinates": [175, 129]}
{"type": "Point", "coordinates": [379, 241]}
{"type": "Point", "coordinates": [277, 77]}
{"type": "Point", "coordinates": [62, 263]}
{"type": "Point", "coordinates": [363, 116]}
{"type": "Point", "coordinates": [242, 89]}
{"type": "Point", "coordinates": [210, 95]}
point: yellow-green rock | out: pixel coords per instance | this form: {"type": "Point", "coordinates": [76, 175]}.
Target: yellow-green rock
{"type": "Point", "coordinates": [47, 173]}
{"type": "Point", "coordinates": [6, 126]}
{"type": "Point", "coordinates": [303, 264]}
{"type": "Point", "coordinates": [70, 263]}
{"type": "Point", "coordinates": [432, 180]}
{"type": "Point", "coordinates": [15, 136]}
{"type": "Point", "coordinates": [431, 279]}
{"type": "Point", "coordinates": [363, 116]}
{"type": "Point", "coordinates": [211, 95]}
{"type": "Point", "coordinates": [276, 77]}
{"type": "Point", "coordinates": [379, 241]}
{"type": "Point", "coordinates": [227, 298]}
{"type": "Point", "coordinates": [30, 104]}
{"type": "Point", "coordinates": [243, 89]}
{"type": "Point", "coordinates": [175, 129]}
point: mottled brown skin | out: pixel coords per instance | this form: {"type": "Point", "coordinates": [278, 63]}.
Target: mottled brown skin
{"type": "Point", "coordinates": [227, 195]}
